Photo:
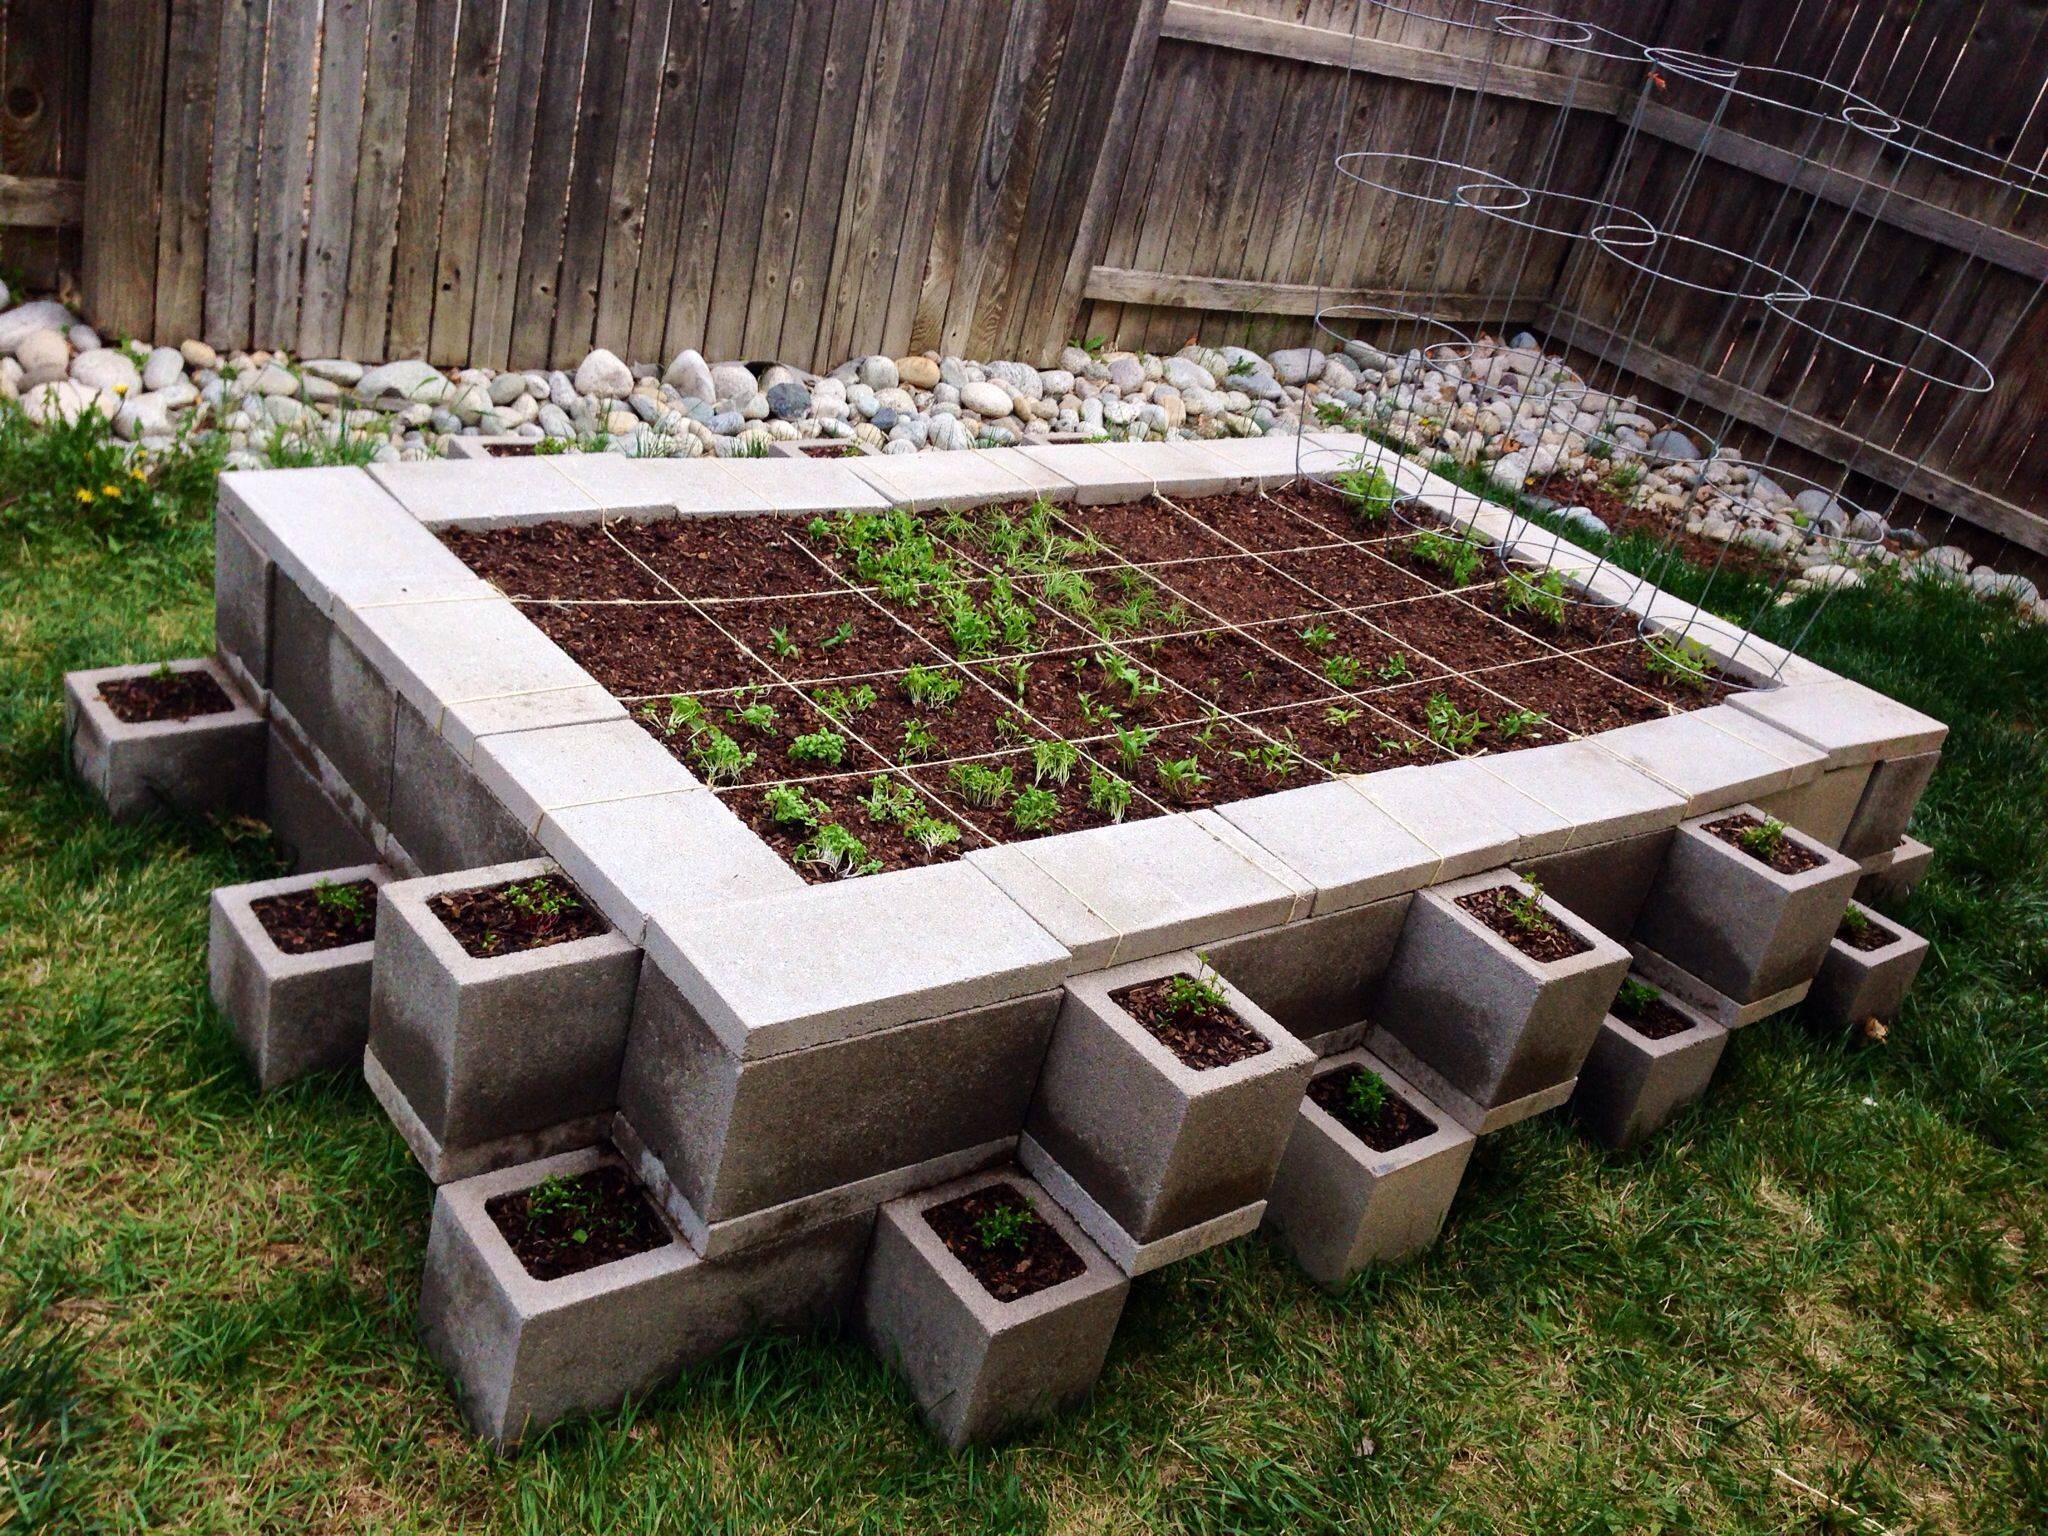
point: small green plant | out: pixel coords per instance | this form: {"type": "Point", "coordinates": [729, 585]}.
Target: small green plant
{"type": "Point", "coordinates": [1108, 795]}
{"type": "Point", "coordinates": [548, 447]}
{"type": "Point", "coordinates": [980, 785]}
{"type": "Point", "coordinates": [1525, 907]}
{"type": "Point", "coordinates": [1019, 674]}
{"type": "Point", "coordinates": [541, 897]}
{"type": "Point", "coordinates": [1370, 493]}
{"type": "Point", "coordinates": [1541, 597]}
{"type": "Point", "coordinates": [1268, 757]}
{"type": "Point", "coordinates": [779, 644]}
{"type": "Point", "coordinates": [1318, 637]}
{"type": "Point", "coordinates": [1343, 670]}
{"type": "Point", "coordinates": [576, 1205]}
{"type": "Point", "coordinates": [341, 900]}
{"type": "Point", "coordinates": [718, 757]}
{"type": "Point", "coordinates": [1127, 675]}
{"type": "Point", "coordinates": [1636, 997]}
{"type": "Point", "coordinates": [840, 705]}
{"type": "Point", "coordinates": [1453, 554]}
{"type": "Point", "coordinates": [929, 688]}
{"type": "Point", "coordinates": [758, 716]}
{"type": "Point", "coordinates": [920, 742]}
{"type": "Point", "coordinates": [1054, 760]}
{"type": "Point", "coordinates": [1394, 668]}
{"type": "Point", "coordinates": [1184, 996]}
{"type": "Point", "coordinates": [1365, 1096]}
{"type": "Point", "coordinates": [1034, 809]}
{"type": "Point", "coordinates": [791, 807]}
{"type": "Point", "coordinates": [1240, 366]}
{"type": "Point", "coordinates": [824, 747]}
{"type": "Point", "coordinates": [1182, 778]}
{"type": "Point", "coordinates": [1004, 1227]}
{"type": "Point", "coordinates": [1092, 345]}
{"type": "Point", "coordinates": [1684, 661]}
{"type": "Point", "coordinates": [1762, 840]}
{"type": "Point", "coordinates": [838, 637]}
{"type": "Point", "coordinates": [1624, 478]}
{"type": "Point", "coordinates": [1338, 715]}
{"type": "Point", "coordinates": [890, 800]}
{"type": "Point", "coordinates": [1856, 922]}
{"type": "Point", "coordinates": [834, 848]}
{"type": "Point", "coordinates": [1132, 743]}
{"type": "Point", "coordinates": [929, 832]}
{"type": "Point", "coordinates": [1517, 721]}
{"type": "Point", "coordinates": [685, 716]}
{"type": "Point", "coordinates": [1450, 727]}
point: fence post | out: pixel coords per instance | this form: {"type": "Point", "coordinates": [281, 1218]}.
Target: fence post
{"type": "Point", "coordinates": [124, 140]}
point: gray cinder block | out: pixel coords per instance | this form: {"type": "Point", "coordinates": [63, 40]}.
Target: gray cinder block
{"type": "Point", "coordinates": [1605, 883]}
{"type": "Point", "coordinates": [440, 809]}
{"type": "Point", "coordinates": [1857, 984]}
{"type": "Point", "coordinates": [1159, 1149]}
{"type": "Point", "coordinates": [316, 831]}
{"type": "Point", "coordinates": [1631, 1085]}
{"type": "Point", "coordinates": [291, 1014]}
{"type": "Point", "coordinates": [207, 764]}
{"type": "Point", "coordinates": [1737, 926]}
{"type": "Point", "coordinates": [1315, 977]}
{"type": "Point", "coordinates": [1886, 809]}
{"type": "Point", "coordinates": [242, 576]}
{"type": "Point", "coordinates": [1487, 1032]}
{"type": "Point", "coordinates": [1822, 808]}
{"type": "Point", "coordinates": [333, 694]}
{"type": "Point", "coordinates": [979, 1367]}
{"type": "Point", "coordinates": [1339, 1205]}
{"type": "Point", "coordinates": [1905, 869]}
{"type": "Point", "coordinates": [480, 1061]}
{"type": "Point", "coordinates": [525, 1353]}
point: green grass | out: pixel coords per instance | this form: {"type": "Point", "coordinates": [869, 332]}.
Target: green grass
{"type": "Point", "coordinates": [1815, 1304]}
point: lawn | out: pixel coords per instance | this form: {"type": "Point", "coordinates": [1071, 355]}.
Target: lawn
{"type": "Point", "coordinates": [1816, 1303]}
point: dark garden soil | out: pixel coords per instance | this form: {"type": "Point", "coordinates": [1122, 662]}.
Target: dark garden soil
{"type": "Point", "coordinates": [636, 650]}
{"type": "Point", "coordinates": [1012, 1257]}
{"type": "Point", "coordinates": [1542, 939]}
{"type": "Point", "coordinates": [1258, 523]}
{"type": "Point", "coordinates": [1395, 1125]}
{"type": "Point", "coordinates": [562, 1227]}
{"type": "Point", "coordinates": [1349, 576]}
{"type": "Point", "coordinates": [1353, 655]}
{"type": "Point", "coordinates": [577, 560]}
{"type": "Point", "coordinates": [1146, 531]}
{"type": "Point", "coordinates": [1574, 697]}
{"type": "Point", "coordinates": [328, 916]}
{"type": "Point", "coordinates": [1201, 1033]}
{"type": "Point", "coordinates": [1654, 1020]}
{"type": "Point", "coordinates": [1349, 736]}
{"type": "Point", "coordinates": [1450, 630]}
{"type": "Point", "coordinates": [1786, 856]}
{"type": "Point", "coordinates": [1088, 692]}
{"type": "Point", "coordinates": [1240, 590]}
{"type": "Point", "coordinates": [789, 820]}
{"type": "Point", "coordinates": [835, 635]}
{"type": "Point", "coordinates": [516, 916]}
{"type": "Point", "coordinates": [1231, 671]}
{"type": "Point", "coordinates": [1860, 931]}
{"type": "Point", "coordinates": [510, 450]}
{"type": "Point", "coordinates": [1326, 508]}
{"type": "Point", "coordinates": [727, 556]}
{"type": "Point", "coordinates": [165, 696]}
{"type": "Point", "coordinates": [829, 450]}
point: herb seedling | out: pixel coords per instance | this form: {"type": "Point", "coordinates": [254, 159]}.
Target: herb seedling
{"type": "Point", "coordinates": [1269, 757]}
{"type": "Point", "coordinates": [1020, 678]}
{"type": "Point", "coordinates": [1053, 760]}
{"type": "Point", "coordinates": [981, 785]}
{"type": "Point", "coordinates": [758, 716]}
{"type": "Point", "coordinates": [1108, 795]}
{"type": "Point", "coordinates": [718, 757]}
{"type": "Point", "coordinates": [1338, 715]}
{"type": "Point", "coordinates": [931, 833]}
{"type": "Point", "coordinates": [1004, 1226]}
{"type": "Point", "coordinates": [1525, 908]}
{"type": "Point", "coordinates": [1184, 996]}
{"type": "Point", "coordinates": [685, 715]}
{"type": "Point", "coordinates": [920, 741]}
{"type": "Point", "coordinates": [576, 1205]}
{"type": "Point", "coordinates": [1132, 743]}
{"type": "Point", "coordinates": [1394, 668]}
{"type": "Point", "coordinates": [1450, 727]}
{"type": "Point", "coordinates": [1034, 809]}
{"type": "Point", "coordinates": [842, 704]}
{"type": "Point", "coordinates": [1763, 840]}
{"type": "Point", "coordinates": [888, 800]}
{"type": "Point", "coordinates": [790, 807]}
{"type": "Point", "coordinates": [1318, 637]}
{"type": "Point", "coordinates": [1182, 778]}
{"type": "Point", "coordinates": [834, 848]}
{"type": "Point", "coordinates": [1683, 661]}
{"type": "Point", "coordinates": [825, 747]}
{"type": "Point", "coordinates": [1365, 1096]}
{"type": "Point", "coordinates": [541, 897]}
{"type": "Point", "coordinates": [838, 637]}
{"type": "Point", "coordinates": [345, 900]}
{"type": "Point", "coordinates": [779, 643]}
{"type": "Point", "coordinates": [1516, 721]}
{"type": "Point", "coordinates": [1541, 597]}
{"type": "Point", "coordinates": [1370, 493]}
{"type": "Point", "coordinates": [1343, 670]}
{"type": "Point", "coordinates": [1453, 554]}
{"type": "Point", "coordinates": [1635, 997]}
{"type": "Point", "coordinates": [1857, 922]}
{"type": "Point", "coordinates": [929, 688]}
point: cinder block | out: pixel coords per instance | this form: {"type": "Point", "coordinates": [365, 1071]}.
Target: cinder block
{"type": "Point", "coordinates": [242, 576]}
{"type": "Point", "coordinates": [209, 764]}
{"type": "Point", "coordinates": [736, 1137]}
{"type": "Point", "coordinates": [1822, 808]}
{"type": "Point", "coordinates": [556, 768]}
{"type": "Point", "coordinates": [1857, 984]}
{"type": "Point", "coordinates": [1605, 883]}
{"type": "Point", "coordinates": [314, 828]}
{"type": "Point", "coordinates": [1598, 796]}
{"type": "Point", "coordinates": [803, 486]}
{"type": "Point", "coordinates": [942, 481]}
{"type": "Point", "coordinates": [979, 1367]}
{"type": "Point", "coordinates": [334, 695]}
{"type": "Point", "coordinates": [619, 486]}
{"type": "Point", "coordinates": [1315, 977]}
{"type": "Point", "coordinates": [291, 1014]}
{"type": "Point", "coordinates": [1480, 1027]}
{"type": "Point", "coordinates": [525, 1353]}
{"type": "Point", "coordinates": [1179, 471]}
{"type": "Point", "coordinates": [1907, 867]}
{"type": "Point", "coordinates": [1138, 888]}
{"type": "Point", "coordinates": [1345, 846]}
{"type": "Point", "coordinates": [1339, 1205]}
{"type": "Point", "coordinates": [1851, 723]}
{"type": "Point", "coordinates": [1266, 462]}
{"type": "Point", "coordinates": [489, 1058]}
{"type": "Point", "coordinates": [1734, 923]}
{"type": "Point", "coordinates": [832, 962]}
{"type": "Point", "coordinates": [448, 491]}
{"type": "Point", "coordinates": [1094, 478]}
{"type": "Point", "coordinates": [1715, 757]}
{"type": "Point", "coordinates": [1446, 816]}
{"type": "Point", "coordinates": [441, 811]}
{"type": "Point", "coordinates": [1160, 1149]}
{"type": "Point", "coordinates": [1886, 809]}
{"type": "Point", "coordinates": [1631, 1086]}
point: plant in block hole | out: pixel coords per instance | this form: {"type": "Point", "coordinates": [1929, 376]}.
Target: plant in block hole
{"type": "Point", "coordinates": [579, 1207]}
{"type": "Point", "coordinates": [834, 848]}
{"type": "Point", "coordinates": [1763, 840]}
{"type": "Point", "coordinates": [1034, 809]}
{"type": "Point", "coordinates": [1365, 1096]}
{"type": "Point", "coordinates": [1525, 907]}
{"type": "Point", "coordinates": [929, 688]}
{"type": "Point", "coordinates": [1054, 760]}
{"type": "Point", "coordinates": [1856, 923]}
{"type": "Point", "coordinates": [791, 807]}
{"type": "Point", "coordinates": [541, 897]}
{"type": "Point", "coordinates": [338, 900]}
{"type": "Point", "coordinates": [1540, 597]}
{"type": "Point", "coordinates": [1107, 794]}
{"type": "Point", "coordinates": [1635, 998]}
{"type": "Point", "coordinates": [1453, 554]}
{"type": "Point", "coordinates": [1450, 727]}
{"type": "Point", "coordinates": [823, 748]}
{"type": "Point", "coordinates": [718, 757]}
{"type": "Point", "coordinates": [1182, 778]}
{"type": "Point", "coordinates": [980, 785]}
{"type": "Point", "coordinates": [1004, 1228]}
{"type": "Point", "coordinates": [1186, 997]}
{"type": "Point", "coordinates": [1684, 661]}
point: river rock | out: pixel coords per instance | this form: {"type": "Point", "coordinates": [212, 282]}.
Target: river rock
{"type": "Point", "coordinates": [878, 372]}
{"type": "Point", "coordinates": [24, 320]}
{"type": "Point", "coordinates": [918, 372]}
{"type": "Point", "coordinates": [399, 381]}
{"type": "Point", "coordinates": [989, 401]}
{"type": "Point", "coordinates": [788, 400]}
{"type": "Point", "coordinates": [732, 381]}
{"type": "Point", "coordinates": [604, 376]}
{"type": "Point", "coordinates": [1299, 365]}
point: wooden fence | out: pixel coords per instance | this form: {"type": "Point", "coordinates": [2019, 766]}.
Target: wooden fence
{"type": "Point", "coordinates": [43, 59]}
{"type": "Point", "coordinates": [508, 182]}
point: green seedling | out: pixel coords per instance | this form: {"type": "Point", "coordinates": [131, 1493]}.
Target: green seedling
{"type": "Point", "coordinates": [1185, 996]}
{"type": "Point", "coordinates": [1132, 743]}
{"type": "Point", "coordinates": [834, 848]}
{"type": "Point", "coordinates": [343, 900]}
{"type": "Point", "coordinates": [718, 757]}
{"type": "Point", "coordinates": [1394, 668]}
{"type": "Point", "coordinates": [1054, 760]}
{"type": "Point", "coordinates": [840, 705]}
{"type": "Point", "coordinates": [838, 637]}
{"type": "Point", "coordinates": [890, 800]}
{"type": "Point", "coordinates": [1019, 673]}
{"type": "Point", "coordinates": [1108, 795]}
{"type": "Point", "coordinates": [1684, 661]}
{"type": "Point", "coordinates": [758, 716]}
{"type": "Point", "coordinates": [929, 688]}
{"type": "Point", "coordinates": [1450, 727]}
{"type": "Point", "coordinates": [685, 715]}
{"type": "Point", "coordinates": [1365, 1096]}
{"type": "Point", "coordinates": [980, 785]}
{"type": "Point", "coordinates": [1370, 493]}
{"type": "Point", "coordinates": [1525, 907]}
{"type": "Point", "coordinates": [1856, 922]}
{"type": "Point", "coordinates": [541, 897]}
{"type": "Point", "coordinates": [1624, 478]}
{"type": "Point", "coordinates": [1182, 778]}
{"type": "Point", "coordinates": [931, 833]}
{"type": "Point", "coordinates": [1092, 345]}
{"type": "Point", "coordinates": [1635, 997]}
{"type": "Point", "coordinates": [827, 748]}
{"type": "Point", "coordinates": [779, 643]}
{"type": "Point", "coordinates": [920, 742]}
{"type": "Point", "coordinates": [1268, 757]}
{"type": "Point", "coordinates": [1541, 597]}
{"type": "Point", "coordinates": [578, 1206]}
{"type": "Point", "coordinates": [1004, 1227]}
{"type": "Point", "coordinates": [1034, 809]}
{"type": "Point", "coordinates": [1453, 554]}
{"type": "Point", "coordinates": [1318, 637]}
{"type": "Point", "coordinates": [1764, 839]}
{"type": "Point", "coordinates": [790, 807]}
{"type": "Point", "coordinates": [1517, 721]}
{"type": "Point", "coordinates": [1338, 715]}
{"type": "Point", "coordinates": [1343, 670]}
{"type": "Point", "coordinates": [1239, 366]}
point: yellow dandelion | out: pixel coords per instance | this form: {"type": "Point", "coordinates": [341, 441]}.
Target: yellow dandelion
{"type": "Point", "coordinates": [138, 473]}
{"type": "Point", "coordinates": [84, 495]}
{"type": "Point", "coordinates": [121, 389]}
{"type": "Point", "coordinates": [110, 490]}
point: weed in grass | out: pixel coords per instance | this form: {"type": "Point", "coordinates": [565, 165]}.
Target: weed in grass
{"type": "Point", "coordinates": [1054, 760]}
{"type": "Point", "coordinates": [1034, 809]}
{"type": "Point", "coordinates": [1450, 727]}
{"type": "Point", "coordinates": [980, 785]}
{"type": "Point", "coordinates": [929, 688]}
{"type": "Point", "coordinates": [824, 748]}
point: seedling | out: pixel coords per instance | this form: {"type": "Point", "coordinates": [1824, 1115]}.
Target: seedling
{"type": "Point", "coordinates": [1370, 493]}
{"type": "Point", "coordinates": [1343, 670]}
{"type": "Point", "coordinates": [344, 900]}
{"type": "Point", "coordinates": [685, 715]}
{"type": "Point", "coordinates": [824, 747]}
{"type": "Point", "coordinates": [1127, 675]}
{"type": "Point", "coordinates": [1394, 668]}
{"type": "Point", "coordinates": [839, 636]}
{"type": "Point", "coordinates": [541, 897]}
{"type": "Point", "coordinates": [1857, 922]}
{"type": "Point", "coordinates": [1004, 1227]}
{"type": "Point", "coordinates": [757, 716]}
{"type": "Point", "coordinates": [1516, 721]}
{"type": "Point", "coordinates": [1635, 997]}
{"type": "Point", "coordinates": [718, 757]}
{"type": "Point", "coordinates": [1624, 478]}
{"type": "Point", "coordinates": [1453, 554]}
{"type": "Point", "coordinates": [1683, 660]}
{"type": "Point", "coordinates": [842, 704]}
{"type": "Point", "coordinates": [577, 1205]}
{"type": "Point", "coordinates": [834, 848]}
{"type": "Point", "coordinates": [1034, 809]}
{"type": "Point", "coordinates": [889, 800]}
{"type": "Point", "coordinates": [931, 833]}
{"type": "Point", "coordinates": [1318, 637]}
{"type": "Point", "coordinates": [1092, 345]}
{"type": "Point", "coordinates": [1365, 1096]}
{"type": "Point", "coordinates": [1269, 757]}
{"type": "Point", "coordinates": [1054, 760]}
{"type": "Point", "coordinates": [981, 785]}
{"type": "Point", "coordinates": [1182, 778]}
{"type": "Point", "coordinates": [928, 688]}
{"type": "Point", "coordinates": [1540, 597]}
{"type": "Point", "coordinates": [1108, 795]}
{"type": "Point", "coordinates": [1763, 840]}
{"type": "Point", "coordinates": [1186, 996]}
{"type": "Point", "coordinates": [1525, 908]}
{"type": "Point", "coordinates": [790, 807]}
{"type": "Point", "coordinates": [1450, 727]}
{"type": "Point", "coordinates": [1338, 715]}
{"type": "Point", "coordinates": [779, 643]}
{"type": "Point", "coordinates": [919, 741]}
{"type": "Point", "coordinates": [1020, 678]}
{"type": "Point", "coordinates": [1132, 743]}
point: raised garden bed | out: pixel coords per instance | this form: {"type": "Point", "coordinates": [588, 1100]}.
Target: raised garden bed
{"type": "Point", "coordinates": [1177, 657]}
